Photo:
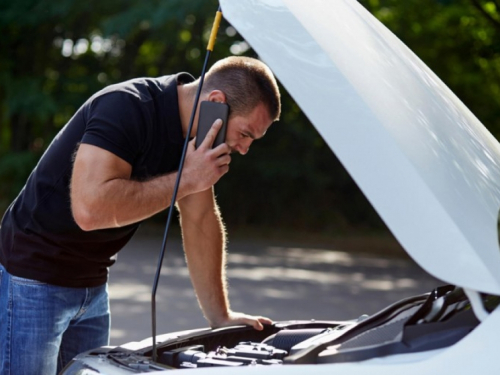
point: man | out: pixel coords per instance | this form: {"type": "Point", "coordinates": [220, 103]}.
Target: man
{"type": "Point", "coordinates": [113, 165]}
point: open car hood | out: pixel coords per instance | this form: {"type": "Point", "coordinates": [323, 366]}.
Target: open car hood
{"type": "Point", "coordinates": [424, 161]}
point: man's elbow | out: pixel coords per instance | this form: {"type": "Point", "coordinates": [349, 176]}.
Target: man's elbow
{"type": "Point", "coordinates": [84, 217]}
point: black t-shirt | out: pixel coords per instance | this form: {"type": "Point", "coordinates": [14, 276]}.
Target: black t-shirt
{"type": "Point", "coordinates": [137, 120]}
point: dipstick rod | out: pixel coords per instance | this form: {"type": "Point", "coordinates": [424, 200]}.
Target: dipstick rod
{"type": "Point", "coordinates": [210, 47]}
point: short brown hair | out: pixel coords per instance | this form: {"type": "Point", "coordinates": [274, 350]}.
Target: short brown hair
{"type": "Point", "coordinates": [246, 82]}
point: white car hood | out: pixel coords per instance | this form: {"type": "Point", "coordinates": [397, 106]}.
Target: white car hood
{"type": "Point", "coordinates": [425, 162]}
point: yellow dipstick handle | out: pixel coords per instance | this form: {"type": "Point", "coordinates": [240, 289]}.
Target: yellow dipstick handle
{"type": "Point", "coordinates": [213, 33]}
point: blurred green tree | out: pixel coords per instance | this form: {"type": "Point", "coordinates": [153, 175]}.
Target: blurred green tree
{"type": "Point", "coordinates": [55, 54]}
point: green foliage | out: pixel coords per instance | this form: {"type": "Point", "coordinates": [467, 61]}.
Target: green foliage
{"type": "Point", "coordinates": [55, 54]}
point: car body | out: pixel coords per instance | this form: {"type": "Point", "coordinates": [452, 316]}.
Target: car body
{"type": "Point", "coordinates": [424, 161]}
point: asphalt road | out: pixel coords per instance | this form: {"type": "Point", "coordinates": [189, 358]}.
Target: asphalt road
{"type": "Point", "coordinates": [265, 278]}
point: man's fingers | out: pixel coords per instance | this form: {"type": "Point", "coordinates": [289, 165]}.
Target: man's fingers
{"type": "Point", "coordinates": [249, 321]}
{"type": "Point", "coordinates": [257, 325]}
{"type": "Point", "coordinates": [225, 159]}
{"type": "Point", "coordinates": [192, 144]}
{"type": "Point", "coordinates": [254, 321]}
{"type": "Point", "coordinates": [265, 320]}
{"type": "Point", "coordinates": [211, 134]}
{"type": "Point", "coordinates": [222, 149]}
{"type": "Point", "coordinates": [258, 322]}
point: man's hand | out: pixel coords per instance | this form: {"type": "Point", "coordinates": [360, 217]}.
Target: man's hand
{"type": "Point", "coordinates": [104, 196]}
{"type": "Point", "coordinates": [204, 244]}
{"type": "Point", "coordinates": [204, 166]}
{"type": "Point", "coordinates": [237, 318]}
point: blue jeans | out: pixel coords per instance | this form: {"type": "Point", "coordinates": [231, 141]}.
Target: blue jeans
{"type": "Point", "coordinates": [42, 326]}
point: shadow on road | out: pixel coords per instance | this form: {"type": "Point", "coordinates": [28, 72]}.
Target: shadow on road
{"type": "Point", "coordinates": [265, 278]}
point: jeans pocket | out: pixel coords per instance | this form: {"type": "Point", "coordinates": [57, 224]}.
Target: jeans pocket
{"type": "Point", "coordinates": [23, 281]}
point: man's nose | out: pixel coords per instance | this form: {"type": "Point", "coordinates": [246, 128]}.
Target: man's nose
{"type": "Point", "coordinates": [242, 150]}
{"type": "Point", "coordinates": [244, 147]}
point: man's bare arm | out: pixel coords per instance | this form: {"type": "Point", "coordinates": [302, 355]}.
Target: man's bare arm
{"type": "Point", "coordinates": [104, 196]}
{"type": "Point", "coordinates": [204, 245]}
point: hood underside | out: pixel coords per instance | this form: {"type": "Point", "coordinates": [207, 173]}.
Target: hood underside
{"type": "Point", "coordinates": [425, 162]}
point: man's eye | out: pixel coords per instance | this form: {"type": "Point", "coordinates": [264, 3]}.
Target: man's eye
{"type": "Point", "coordinates": [244, 135]}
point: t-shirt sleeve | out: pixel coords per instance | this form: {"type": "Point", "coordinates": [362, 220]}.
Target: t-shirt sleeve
{"type": "Point", "coordinates": [116, 122]}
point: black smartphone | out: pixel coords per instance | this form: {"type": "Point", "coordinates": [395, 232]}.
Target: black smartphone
{"type": "Point", "coordinates": [209, 112]}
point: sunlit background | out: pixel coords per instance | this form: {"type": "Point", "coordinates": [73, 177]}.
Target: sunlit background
{"type": "Point", "coordinates": [55, 54]}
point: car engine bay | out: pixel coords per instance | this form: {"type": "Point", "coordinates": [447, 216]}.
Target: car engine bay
{"type": "Point", "coordinates": [417, 324]}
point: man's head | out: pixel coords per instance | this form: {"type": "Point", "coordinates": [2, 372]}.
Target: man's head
{"type": "Point", "coordinates": [245, 82]}
{"type": "Point", "coordinates": [249, 88]}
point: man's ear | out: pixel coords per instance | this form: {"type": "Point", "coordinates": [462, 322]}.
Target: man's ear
{"type": "Point", "coordinates": [216, 96]}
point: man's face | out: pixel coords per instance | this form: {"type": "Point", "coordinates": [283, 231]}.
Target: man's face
{"type": "Point", "coordinates": [243, 130]}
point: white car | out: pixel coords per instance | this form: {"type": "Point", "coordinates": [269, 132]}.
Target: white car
{"type": "Point", "coordinates": [427, 165]}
